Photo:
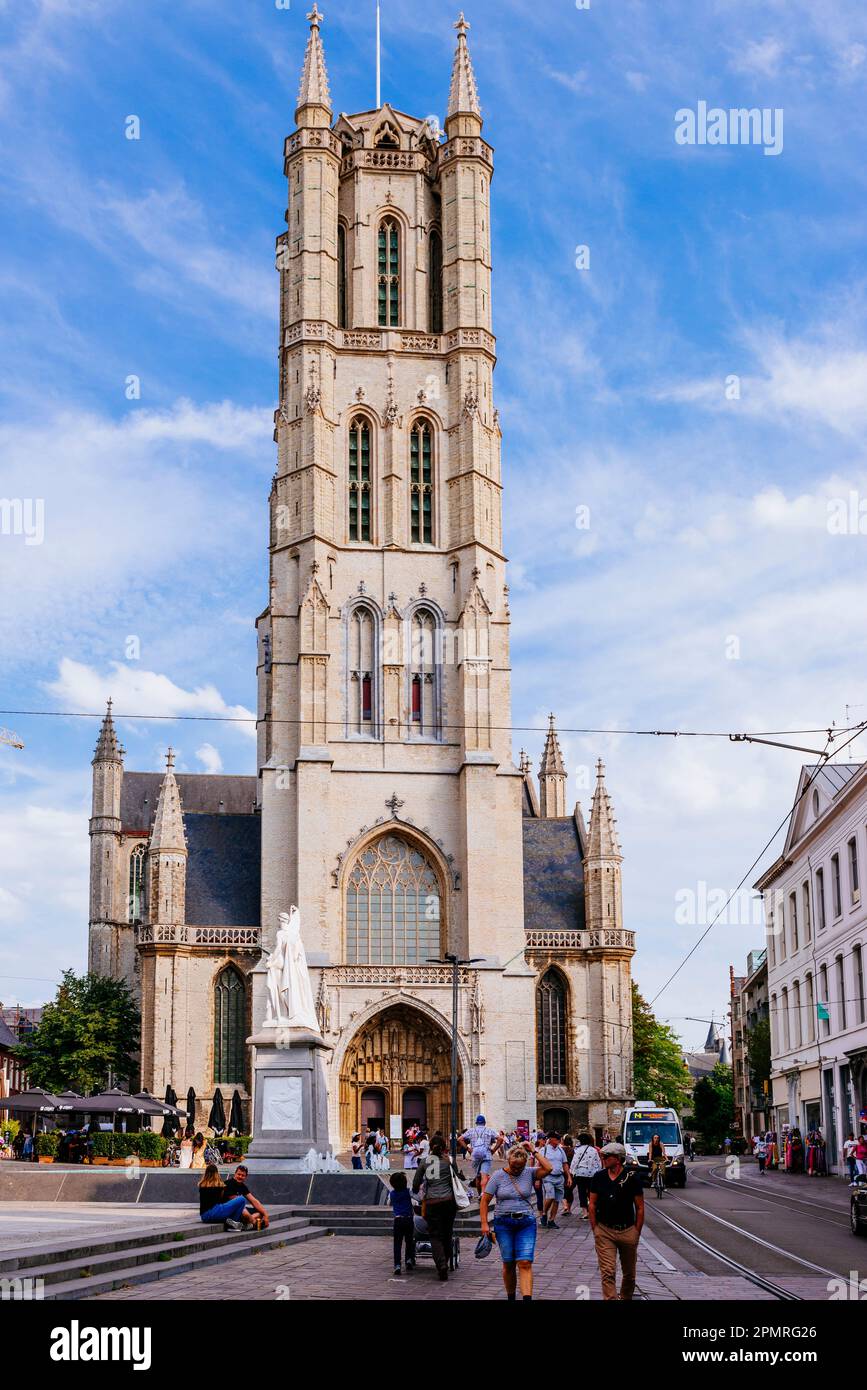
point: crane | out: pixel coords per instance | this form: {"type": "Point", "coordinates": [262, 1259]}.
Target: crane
{"type": "Point", "coordinates": [7, 736]}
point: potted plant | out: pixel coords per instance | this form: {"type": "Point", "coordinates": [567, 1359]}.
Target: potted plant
{"type": "Point", "coordinates": [47, 1146]}
{"type": "Point", "coordinates": [101, 1146]}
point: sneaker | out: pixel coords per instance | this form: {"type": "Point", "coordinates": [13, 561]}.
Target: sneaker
{"type": "Point", "coordinates": [234, 1226]}
{"type": "Point", "coordinates": [544, 1221]}
{"type": "Point", "coordinates": [552, 1226]}
{"type": "Point", "coordinates": [410, 1264]}
{"type": "Point", "coordinates": [397, 1269]}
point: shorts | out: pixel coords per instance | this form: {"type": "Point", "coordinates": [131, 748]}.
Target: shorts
{"type": "Point", "coordinates": [516, 1239]}
{"type": "Point", "coordinates": [483, 1165]}
{"type": "Point", "coordinates": [554, 1187]}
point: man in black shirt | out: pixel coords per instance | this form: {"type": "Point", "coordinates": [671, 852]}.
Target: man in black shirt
{"type": "Point", "coordinates": [236, 1186]}
{"type": "Point", "coordinates": [617, 1216]}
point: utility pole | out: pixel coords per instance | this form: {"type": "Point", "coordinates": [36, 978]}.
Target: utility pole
{"type": "Point", "coordinates": [452, 959]}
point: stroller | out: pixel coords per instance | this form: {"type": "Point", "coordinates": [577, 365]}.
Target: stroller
{"type": "Point", "coordinates": [423, 1248]}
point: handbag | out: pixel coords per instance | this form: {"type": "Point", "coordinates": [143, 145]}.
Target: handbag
{"type": "Point", "coordinates": [462, 1196]}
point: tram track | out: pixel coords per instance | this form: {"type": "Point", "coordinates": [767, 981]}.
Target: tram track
{"type": "Point", "coordinates": [760, 1280]}
{"type": "Point", "coordinates": [775, 1197]}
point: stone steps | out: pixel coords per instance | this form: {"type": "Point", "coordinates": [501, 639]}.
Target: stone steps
{"type": "Point", "coordinates": [84, 1271]}
{"type": "Point", "coordinates": [375, 1221]}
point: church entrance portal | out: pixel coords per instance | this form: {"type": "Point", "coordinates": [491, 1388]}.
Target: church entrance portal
{"type": "Point", "coordinates": [399, 1063]}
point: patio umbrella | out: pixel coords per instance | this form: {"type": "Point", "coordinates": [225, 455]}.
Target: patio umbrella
{"type": "Point", "coordinates": [113, 1102]}
{"type": "Point", "coordinates": [151, 1106]}
{"type": "Point", "coordinates": [191, 1109]}
{"type": "Point", "coordinates": [217, 1117]}
{"type": "Point", "coordinates": [236, 1116]}
{"type": "Point", "coordinates": [33, 1102]}
{"type": "Point", "coordinates": [171, 1123]}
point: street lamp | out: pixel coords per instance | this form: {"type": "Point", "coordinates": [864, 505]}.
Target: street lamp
{"type": "Point", "coordinates": [452, 959]}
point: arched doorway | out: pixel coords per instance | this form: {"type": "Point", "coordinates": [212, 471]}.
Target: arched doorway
{"type": "Point", "coordinates": [556, 1119]}
{"type": "Point", "coordinates": [374, 1105]}
{"type": "Point", "coordinates": [404, 1057]}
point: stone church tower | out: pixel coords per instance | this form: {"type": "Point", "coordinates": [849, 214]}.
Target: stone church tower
{"type": "Point", "coordinates": [386, 802]}
{"type": "Point", "coordinates": [390, 803]}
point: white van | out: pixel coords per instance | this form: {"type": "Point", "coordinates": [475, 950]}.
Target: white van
{"type": "Point", "coordinates": [643, 1120]}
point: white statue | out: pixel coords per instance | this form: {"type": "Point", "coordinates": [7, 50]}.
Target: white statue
{"type": "Point", "coordinates": [290, 997]}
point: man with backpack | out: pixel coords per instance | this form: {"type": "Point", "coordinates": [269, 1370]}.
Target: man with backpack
{"type": "Point", "coordinates": [482, 1142]}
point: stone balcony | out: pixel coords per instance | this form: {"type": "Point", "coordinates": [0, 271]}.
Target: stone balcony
{"type": "Point", "coordinates": [207, 938]}
{"type": "Point", "coordinates": [580, 940]}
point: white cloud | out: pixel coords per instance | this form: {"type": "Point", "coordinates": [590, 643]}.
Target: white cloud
{"type": "Point", "coordinates": [81, 688]}
{"type": "Point", "coordinates": [760, 56]}
{"type": "Point", "coordinates": [210, 758]}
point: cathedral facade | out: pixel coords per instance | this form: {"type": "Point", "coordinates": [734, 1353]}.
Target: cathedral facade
{"type": "Point", "coordinates": [386, 804]}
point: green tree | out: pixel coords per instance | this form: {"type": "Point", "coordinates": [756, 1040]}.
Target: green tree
{"type": "Point", "coordinates": [759, 1053]}
{"type": "Point", "coordinates": [714, 1104]}
{"type": "Point", "coordinates": [658, 1070]}
{"type": "Point", "coordinates": [88, 1032]}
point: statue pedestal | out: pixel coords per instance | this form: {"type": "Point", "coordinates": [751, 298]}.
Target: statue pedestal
{"type": "Point", "coordinates": [290, 1099]}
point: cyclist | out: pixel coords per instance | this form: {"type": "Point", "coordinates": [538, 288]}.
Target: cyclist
{"type": "Point", "coordinates": [656, 1162]}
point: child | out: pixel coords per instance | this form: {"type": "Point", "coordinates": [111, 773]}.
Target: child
{"type": "Point", "coordinates": [404, 1229]}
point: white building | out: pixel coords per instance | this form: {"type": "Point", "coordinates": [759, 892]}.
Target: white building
{"type": "Point", "coordinates": [816, 926]}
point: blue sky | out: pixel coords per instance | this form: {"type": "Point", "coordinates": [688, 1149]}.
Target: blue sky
{"type": "Point", "coordinates": [708, 515]}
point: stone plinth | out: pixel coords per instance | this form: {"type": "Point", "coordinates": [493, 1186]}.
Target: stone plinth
{"type": "Point", "coordinates": [290, 1098]}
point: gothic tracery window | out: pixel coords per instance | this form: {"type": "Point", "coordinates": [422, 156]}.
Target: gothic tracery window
{"type": "Point", "coordinates": [389, 273]}
{"type": "Point", "coordinates": [421, 483]}
{"type": "Point", "coordinates": [230, 1031]}
{"type": "Point", "coordinates": [363, 682]}
{"type": "Point", "coordinates": [359, 480]}
{"type": "Point", "coordinates": [136, 883]}
{"type": "Point", "coordinates": [551, 1030]}
{"type": "Point", "coordinates": [435, 286]}
{"type": "Point", "coordinates": [392, 906]}
{"type": "Point", "coordinates": [424, 675]}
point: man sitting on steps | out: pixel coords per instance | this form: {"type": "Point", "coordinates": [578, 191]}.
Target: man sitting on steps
{"type": "Point", "coordinates": [237, 1187]}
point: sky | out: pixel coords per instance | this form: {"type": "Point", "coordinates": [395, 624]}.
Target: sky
{"type": "Point", "coordinates": [682, 385]}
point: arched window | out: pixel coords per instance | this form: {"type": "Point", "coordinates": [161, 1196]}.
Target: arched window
{"type": "Point", "coordinates": [435, 287]}
{"type": "Point", "coordinates": [392, 906]}
{"type": "Point", "coordinates": [230, 1028]}
{"type": "Point", "coordinates": [359, 480]}
{"type": "Point", "coordinates": [424, 675]}
{"type": "Point", "coordinates": [341, 275]}
{"type": "Point", "coordinates": [136, 883]}
{"type": "Point", "coordinates": [389, 273]}
{"type": "Point", "coordinates": [362, 671]}
{"type": "Point", "coordinates": [421, 483]}
{"type": "Point", "coordinates": [551, 1030]}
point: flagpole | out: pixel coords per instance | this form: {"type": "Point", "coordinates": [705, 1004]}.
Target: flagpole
{"type": "Point", "coordinates": [378, 60]}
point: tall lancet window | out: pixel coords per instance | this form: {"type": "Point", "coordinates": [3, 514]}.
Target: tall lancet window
{"type": "Point", "coordinates": [389, 273]}
{"type": "Point", "coordinates": [136, 883]}
{"type": "Point", "coordinates": [551, 1030]}
{"type": "Point", "coordinates": [424, 691]}
{"type": "Point", "coordinates": [362, 638]}
{"type": "Point", "coordinates": [421, 483]}
{"type": "Point", "coordinates": [359, 480]}
{"type": "Point", "coordinates": [435, 287]}
{"type": "Point", "coordinates": [230, 1027]}
{"type": "Point", "coordinates": [341, 276]}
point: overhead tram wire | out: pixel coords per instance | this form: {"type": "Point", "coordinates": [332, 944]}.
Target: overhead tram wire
{"type": "Point", "coordinates": [734, 737]}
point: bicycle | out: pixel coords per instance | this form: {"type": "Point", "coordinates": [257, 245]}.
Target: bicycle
{"type": "Point", "coordinates": [659, 1179]}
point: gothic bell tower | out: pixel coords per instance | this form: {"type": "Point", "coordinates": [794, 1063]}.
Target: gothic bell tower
{"type": "Point", "coordinates": [384, 678]}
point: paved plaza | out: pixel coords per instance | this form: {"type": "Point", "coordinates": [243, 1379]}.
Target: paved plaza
{"type": "Point", "coordinates": [358, 1267]}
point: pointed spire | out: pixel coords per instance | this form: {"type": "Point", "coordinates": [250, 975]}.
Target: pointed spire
{"type": "Point", "coordinates": [168, 835]}
{"type": "Point", "coordinates": [108, 750]}
{"type": "Point", "coordinates": [524, 763]}
{"type": "Point", "coordinates": [463, 94]}
{"type": "Point", "coordinates": [602, 840]}
{"type": "Point", "coordinates": [314, 77]}
{"type": "Point", "coordinates": [552, 775]}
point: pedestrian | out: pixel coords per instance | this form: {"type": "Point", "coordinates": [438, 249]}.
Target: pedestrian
{"type": "Point", "coordinates": [410, 1154]}
{"type": "Point", "coordinates": [514, 1217]}
{"type": "Point", "coordinates": [198, 1159]}
{"type": "Point", "coordinates": [370, 1148]}
{"type": "Point", "coordinates": [404, 1225]}
{"type": "Point", "coordinates": [861, 1154]}
{"type": "Point", "coordinates": [569, 1194]}
{"type": "Point", "coordinates": [482, 1142]}
{"type": "Point", "coordinates": [437, 1175]}
{"type": "Point", "coordinates": [355, 1148]}
{"type": "Point", "coordinates": [850, 1144]}
{"type": "Point", "coordinates": [553, 1182]}
{"type": "Point", "coordinates": [616, 1216]}
{"type": "Point", "coordinates": [237, 1187]}
{"type": "Point", "coordinates": [213, 1208]}
{"type": "Point", "coordinates": [687, 1146]}
{"type": "Point", "coordinates": [585, 1164]}
{"type": "Point", "coordinates": [760, 1149]}
{"type": "Point", "coordinates": [186, 1149]}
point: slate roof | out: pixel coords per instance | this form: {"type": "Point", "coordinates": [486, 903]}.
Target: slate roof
{"type": "Point", "coordinates": [200, 792]}
{"type": "Point", "coordinates": [7, 1037]}
{"type": "Point", "coordinates": [223, 869]}
{"type": "Point", "coordinates": [553, 874]}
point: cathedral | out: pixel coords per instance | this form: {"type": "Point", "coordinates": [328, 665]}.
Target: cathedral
{"type": "Point", "coordinates": [386, 802]}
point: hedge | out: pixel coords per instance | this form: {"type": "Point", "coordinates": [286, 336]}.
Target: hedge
{"type": "Point", "coordinates": [144, 1144]}
{"type": "Point", "coordinates": [47, 1145]}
